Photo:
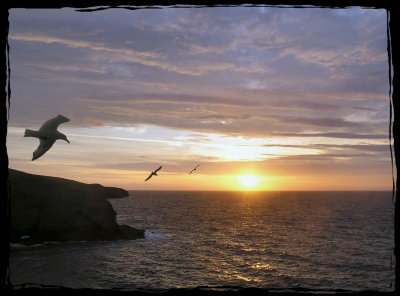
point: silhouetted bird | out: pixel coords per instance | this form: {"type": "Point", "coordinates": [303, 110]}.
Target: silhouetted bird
{"type": "Point", "coordinates": [193, 169]}
{"type": "Point", "coordinates": [47, 134]}
{"type": "Point", "coordinates": [153, 173]}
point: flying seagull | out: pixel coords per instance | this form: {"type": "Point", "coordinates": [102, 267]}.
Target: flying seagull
{"type": "Point", "coordinates": [153, 173]}
{"type": "Point", "coordinates": [193, 169]}
{"type": "Point", "coordinates": [47, 134]}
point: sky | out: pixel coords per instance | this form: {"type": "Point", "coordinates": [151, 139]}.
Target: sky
{"type": "Point", "coordinates": [263, 98]}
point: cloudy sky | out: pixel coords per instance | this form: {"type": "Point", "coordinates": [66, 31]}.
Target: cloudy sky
{"type": "Point", "coordinates": [298, 98]}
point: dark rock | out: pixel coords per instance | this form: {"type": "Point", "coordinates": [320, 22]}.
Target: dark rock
{"type": "Point", "coordinates": [47, 208]}
{"type": "Point", "coordinates": [108, 192]}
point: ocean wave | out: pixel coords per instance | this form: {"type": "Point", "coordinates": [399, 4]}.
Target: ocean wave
{"type": "Point", "coordinates": [150, 235]}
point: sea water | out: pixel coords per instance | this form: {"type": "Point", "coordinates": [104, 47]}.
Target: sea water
{"type": "Point", "coordinates": [270, 240]}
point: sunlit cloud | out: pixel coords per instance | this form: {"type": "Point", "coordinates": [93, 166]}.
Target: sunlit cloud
{"type": "Point", "coordinates": [83, 44]}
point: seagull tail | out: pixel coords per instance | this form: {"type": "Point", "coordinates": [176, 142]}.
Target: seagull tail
{"type": "Point", "coordinates": [31, 133]}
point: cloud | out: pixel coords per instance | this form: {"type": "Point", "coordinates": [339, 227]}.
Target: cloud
{"type": "Point", "coordinates": [331, 58]}
{"type": "Point", "coordinates": [74, 43]}
{"type": "Point", "coordinates": [339, 151]}
{"type": "Point", "coordinates": [342, 135]}
{"type": "Point", "coordinates": [94, 122]}
{"type": "Point", "coordinates": [230, 115]}
{"type": "Point", "coordinates": [320, 122]}
{"type": "Point", "coordinates": [107, 53]}
{"type": "Point", "coordinates": [237, 71]}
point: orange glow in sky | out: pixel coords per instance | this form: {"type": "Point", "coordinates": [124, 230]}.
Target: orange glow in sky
{"type": "Point", "coordinates": [260, 104]}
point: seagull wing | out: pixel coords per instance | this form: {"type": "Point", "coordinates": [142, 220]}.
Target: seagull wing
{"type": "Point", "coordinates": [193, 169]}
{"type": "Point", "coordinates": [53, 123]}
{"type": "Point", "coordinates": [158, 169]}
{"type": "Point", "coordinates": [148, 177]}
{"type": "Point", "coordinates": [42, 148]}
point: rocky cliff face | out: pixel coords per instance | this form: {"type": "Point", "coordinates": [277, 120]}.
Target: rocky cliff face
{"type": "Point", "coordinates": [55, 209]}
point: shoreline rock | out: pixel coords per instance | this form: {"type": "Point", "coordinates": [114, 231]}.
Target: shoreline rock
{"type": "Point", "coordinates": [44, 209]}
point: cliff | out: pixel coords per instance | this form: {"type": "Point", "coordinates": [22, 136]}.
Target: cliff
{"type": "Point", "coordinates": [47, 208]}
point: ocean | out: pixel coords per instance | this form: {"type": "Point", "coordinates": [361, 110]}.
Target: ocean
{"type": "Point", "coordinates": [271, 240]}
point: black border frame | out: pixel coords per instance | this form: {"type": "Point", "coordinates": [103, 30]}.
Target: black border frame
{"type": "Point", "coordinates": [92, 5]}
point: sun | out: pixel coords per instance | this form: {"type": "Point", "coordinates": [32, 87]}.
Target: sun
{"type": "Point", "coordinates": [248, 181]}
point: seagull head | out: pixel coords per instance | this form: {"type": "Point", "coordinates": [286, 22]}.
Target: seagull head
{"type": "Point", "coordinates": [64, 137]}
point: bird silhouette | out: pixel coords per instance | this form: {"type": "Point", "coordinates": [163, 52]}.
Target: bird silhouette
{"type": "Point", "coordinates": [153, 173]}
{"type": "Point", "coordinates": [193, 169]}
{"type": "Point", "coordinates": [47, 135]}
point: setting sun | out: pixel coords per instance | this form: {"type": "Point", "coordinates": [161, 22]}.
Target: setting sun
{"type": "Point", "coordinates": [248, 180]}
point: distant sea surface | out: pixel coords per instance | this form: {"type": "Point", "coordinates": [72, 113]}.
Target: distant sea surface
{"type": "Point", "coordinates": [271, 240]}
